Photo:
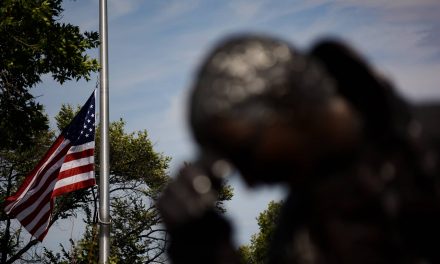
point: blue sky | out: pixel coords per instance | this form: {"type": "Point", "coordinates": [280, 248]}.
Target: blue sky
{"type": "Point", "coordinates": [155, 47]}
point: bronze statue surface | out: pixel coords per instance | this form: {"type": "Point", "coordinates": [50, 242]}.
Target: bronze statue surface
{"type": "Point", "coordinates": [361, 163]}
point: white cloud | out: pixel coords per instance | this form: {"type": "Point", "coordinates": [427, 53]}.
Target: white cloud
{"type": "Point", "coordinates": [388, 4]}
{"type": "Point", "coordinates": [175, 8]}
{"type": "Point", "coordinates": [417, 82]}
{"type": "Point", "coordinates": [399, 13]}
{"type": "Point", "coordinates": [247, 10]}
{"type": "Point", "coordinates": [85, 14]}
{"type": "Point", "coordinates": [167, 127]}
{"type": "Point", "coordinates": [118, 8]}
{"type": "Point", "coordinates": [126, 79]}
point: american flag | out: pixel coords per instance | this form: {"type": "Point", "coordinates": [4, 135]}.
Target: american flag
{"type": "Point", "coordinates": [67, 166]}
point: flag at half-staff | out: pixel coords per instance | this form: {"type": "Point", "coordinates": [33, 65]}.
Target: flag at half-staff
{"type": "Point", "coordinates": [67, 166]}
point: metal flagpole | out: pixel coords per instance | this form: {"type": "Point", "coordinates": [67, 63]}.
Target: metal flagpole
{"type": "Point", "coordinates": [104, 199]}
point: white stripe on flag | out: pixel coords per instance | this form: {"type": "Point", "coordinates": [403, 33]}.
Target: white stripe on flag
{"type": "Point", "coordinates": [26, 212]}
{"type": "Point", "coordinates": [74, 179]}
{"type": "Point", "coordinates": [38, 217]}
{"type": "Point", "coordinates": [52, 169]}
{"type": "Point", "coordinates": [79, 148]}
{"type": "Point", "coordinates": [42, 228]}
{"type": "Point", "coordinates": [32, 203]}
{"type": "Point", "coordinates": [77, 163]}
{"type": "Point", "coordinates": [28, 195]}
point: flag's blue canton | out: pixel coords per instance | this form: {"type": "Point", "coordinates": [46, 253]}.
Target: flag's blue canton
{"type": "Point", "coordinates": [82, 128]}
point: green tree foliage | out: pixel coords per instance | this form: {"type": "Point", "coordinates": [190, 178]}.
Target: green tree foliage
{"type": "Point", "coordinates": [225, 194]}
{"type": "Point", "coordinates": [256, 252]}
{"type": "Point", "coordinates": [33, 42]}
{"type": "Point", "coordinates": [137, 176]}
{"type": "Point", "coordinates": [14, 166]}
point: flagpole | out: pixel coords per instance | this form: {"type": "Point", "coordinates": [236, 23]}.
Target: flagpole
{"type": "Point", "coordinates": [104, 199]}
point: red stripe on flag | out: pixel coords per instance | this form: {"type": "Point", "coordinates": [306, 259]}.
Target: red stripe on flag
{"type": "Point", "coordinates": [79, 155]}
{"type": "Point", "coordinates": [28, 219]}
{"type": "Point", "coordinates": [31, 175]}
{"type": "Point", "coordinates": [33, 203]}
{"type": "Point", "coordinates": [73, 187]}
{"type": "Point", "coordinates": [59, 157]}
{"type": "Point", "coordinates": [29, 200]}
{"type": "Point", "coordinates": [37, 190]}
{"type": "Point", "coordinates": [75, 171]}
{"type": "Point", "coordinates": [43, 220]}
{"type": "Point", "coordinates": [41, 237]}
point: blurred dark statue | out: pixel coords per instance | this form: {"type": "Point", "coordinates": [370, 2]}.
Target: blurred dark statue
{"type": "Point", "coordinates": [361, 163]}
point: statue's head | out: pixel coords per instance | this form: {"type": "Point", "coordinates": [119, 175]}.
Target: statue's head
{"type": "Point", "coordinates": [269, 109]}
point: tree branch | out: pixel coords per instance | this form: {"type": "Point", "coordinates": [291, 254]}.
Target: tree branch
{"type": "Point", "coordinates": [22, 251]}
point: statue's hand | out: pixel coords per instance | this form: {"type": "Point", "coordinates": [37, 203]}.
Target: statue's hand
{"type": "Point", "coordinates": [188, 197]}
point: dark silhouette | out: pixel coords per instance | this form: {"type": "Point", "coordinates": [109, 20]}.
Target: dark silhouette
{"type": "Point", "coordinates": [361, 163]}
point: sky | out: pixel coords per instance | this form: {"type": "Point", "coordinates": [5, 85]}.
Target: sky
{"type": "Point", "coordinates": [156, 46]}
